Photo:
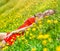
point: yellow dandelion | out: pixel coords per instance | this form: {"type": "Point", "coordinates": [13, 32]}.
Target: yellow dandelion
{"type": "Point", "coordinates": [55, 21]}
{"type": "Point", "coordinates": [27, 32]}
{"type": "Point", "coordinates": [33, 29]}
{"type": "Point", "coordinates": [58, 48]}
{"type": "Point", "coordinates": [44, 42]}
{"type": "Point", "coordinates": [40, 36]}
{"type": "Point", "coordinates": [31, 34]}
{"type": "Point", "coordinates": [45, 49]}
{"type": "Point", "coordinates": [46, 36]}
{"type": "Point", "coordinates": [49, 21]}
{"type": "Point", "coordinates": [33, 49]}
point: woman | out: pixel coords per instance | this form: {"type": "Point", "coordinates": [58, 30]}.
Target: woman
{"type": "Point", "coordinates": [7, 37]}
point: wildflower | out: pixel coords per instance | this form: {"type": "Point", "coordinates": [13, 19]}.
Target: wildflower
{"type": "Point", "coordinates": [40, 37]}
{"type": "Point", "coordinates": [31, 34]}
{"type": "Point", "coordinates": [27, 32]}
{"type": "Point", "coordinates": [46, 36]}
{"type": "Point", "coordinates": [49, 21]}
{"type": "Point", "coordinates": [33, 49]}
{"type": "Point", "coordinates": [44, 42]}
{"type": "Point", "coordinates": [45, 49]}
{"type": "Point", "coordinates": [58, 48]}
{"type": "Point", "coordinates": [55, 21]}
{"type": "Point", "coordinates": [33, 29]}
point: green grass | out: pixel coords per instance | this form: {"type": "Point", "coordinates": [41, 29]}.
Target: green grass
{"type": "Point", "coordinates": [13, 13]}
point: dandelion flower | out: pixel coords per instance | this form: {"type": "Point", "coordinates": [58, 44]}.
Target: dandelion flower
{"type": "Point", "coordinates": [46, 36]}
{"type": "Point", "coordinates": [33, 29]}
{"type": "Point", "coordinates": [31, 34]}
{"type": "Point", "coordinates": [40, 37]}
{"type": "Point", "coordinates": [58, 48]}
{"type": "Point", "coordinates": [45, 49]}
{"type": "Point", "coordinates": [49, 21]}
{"type": "Point", "coordinates": [33, 49]}
{"type": "Point", "coordinates": [27, 32]}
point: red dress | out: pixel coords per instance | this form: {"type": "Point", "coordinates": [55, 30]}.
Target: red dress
{"type": "Point", "coordinates": [10, 40]}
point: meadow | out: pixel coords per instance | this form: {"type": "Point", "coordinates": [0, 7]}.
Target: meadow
{"type": "Point", "coordinates": [43, 36]}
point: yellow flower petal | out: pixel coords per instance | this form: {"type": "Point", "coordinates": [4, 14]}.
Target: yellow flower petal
{"type": "Point", "coordinates": [45, 49]}
{"type": "Point", "coordinates": [33, 29]}
{"type": "Point", "coordinates": [58, 48]}
{"type": "Point", "coordinates": [46, 36]}
{"type": "Point", "coordinates": [49, 21]}
{"type": "Point", "coordinates": [40, 37]}
{"type": "Point", "coordinates": [33, 49]}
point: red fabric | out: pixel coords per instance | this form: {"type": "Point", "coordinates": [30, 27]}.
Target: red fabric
{"type": "Point", "coordinates": [28, 22]}
{"type": "Point", "coordinates": [10, 40]}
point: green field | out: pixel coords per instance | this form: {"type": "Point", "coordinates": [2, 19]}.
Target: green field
{"type": "Point", "coordinates": [43, 36]}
